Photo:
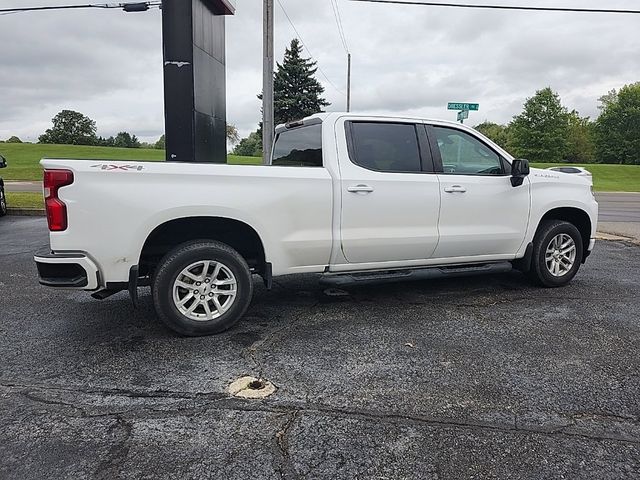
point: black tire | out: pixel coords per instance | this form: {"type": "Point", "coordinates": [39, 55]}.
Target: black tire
{"type": "Point", "coordinates": [3, 203]}
{"type": "Point", "coordinates": [174, 264]}
{"type": "Point", "coordinates": [540, 272]}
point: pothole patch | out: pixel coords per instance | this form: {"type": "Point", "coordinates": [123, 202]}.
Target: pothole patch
{"type": "Point", "coordinates": [251, 387]}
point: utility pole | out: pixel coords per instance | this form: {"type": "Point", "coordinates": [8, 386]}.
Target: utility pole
{"type": "Point", "coordinates": [268, 126]}
{"type": "Point", "coordinates": [348, 82]}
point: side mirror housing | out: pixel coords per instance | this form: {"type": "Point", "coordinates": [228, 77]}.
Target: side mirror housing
{"type": "Point", "coordinates": [3, 162]}
{"type": "Point", "coordinates": [519, 170]}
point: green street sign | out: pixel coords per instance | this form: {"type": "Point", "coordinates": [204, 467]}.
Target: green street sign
{"type": "Point", "coordinates": [463, 106]}
{"type": "Point", "coordinates": [463, 115]}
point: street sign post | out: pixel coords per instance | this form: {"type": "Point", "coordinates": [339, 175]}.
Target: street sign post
{"type": "Point", "coordinates": [463, 106]}
{"type": "Point", "coordinates": [463, 109]}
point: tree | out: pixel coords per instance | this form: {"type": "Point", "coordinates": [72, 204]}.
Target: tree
{"type": "Point", "coordinates": [250, 146]}
{"type": "Point", "coordinates": [605, 100]}
{"type": "Point", "coordinates": [580, 141]}
{"type": "Point", "coordinates": [126, 140]}
{"type": "Point", "coordinates": [233, 136]}
{"type": "Point", "coordinates": [297, 93]}
{"type": "Point", "coordinates": [497, 133]}
{"type": "Point", "coordinates": [161, 143]}
{"type": "Point", "coordinates": [106, 142]}
{"type": "Point", "coordinates": [540, 132]}
{"type": "Point", "coordinates": [14, 139]}
{"type": "Point", "coordinates": [70, 128]}
{"type": "Point", "coordinates": [618, 127]}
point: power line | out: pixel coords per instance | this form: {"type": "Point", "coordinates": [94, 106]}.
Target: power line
{"type": "Point", "coordinates": [503, 7]}
{"type": "Point", "coordinates": [336, 14]}
{"type": "Point", "coordinates": [338, 17]}
{"type": "Point", "coordinates": [8, 11]}
{"type": "Point", "coordinates": [307, 48]}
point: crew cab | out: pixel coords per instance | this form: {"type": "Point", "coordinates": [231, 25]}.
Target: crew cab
{"type": "Point", "coordinates": [350, 197]}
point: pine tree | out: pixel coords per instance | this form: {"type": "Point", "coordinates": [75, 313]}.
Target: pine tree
{"type": "Point", "coordinates": [297, 93]}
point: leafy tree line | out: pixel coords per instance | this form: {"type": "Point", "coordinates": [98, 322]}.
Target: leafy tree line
{"type": "Point", "coordinates": [296, 94]}
{"type": "Point", "coordinates": [546, 131]}
{"type": "Point", "coordinates": [74, 128]}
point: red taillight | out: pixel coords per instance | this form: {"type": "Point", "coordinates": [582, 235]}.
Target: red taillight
{"type": "Point", "coordinates": [56, 209]}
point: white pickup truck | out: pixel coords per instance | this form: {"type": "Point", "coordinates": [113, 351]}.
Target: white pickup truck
{"type": "Point", "coordinates": [347, 196]}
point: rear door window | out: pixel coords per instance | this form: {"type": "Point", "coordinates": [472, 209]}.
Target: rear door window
{"type": "Point", "coordinates": [299, 147]}
{"type": "Point", "coordinates": [385, 147]}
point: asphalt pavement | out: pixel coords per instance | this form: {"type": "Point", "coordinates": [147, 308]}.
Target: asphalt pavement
{"type": "Point", "coordinates": [27, 187]}
{"type": "Point", "coordinates": [483, 377]}
{"type": "Point", "coordinates": [619, 207]}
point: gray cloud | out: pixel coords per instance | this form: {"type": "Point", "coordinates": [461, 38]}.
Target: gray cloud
{"type": "Point", "coordinates": [407, 61]}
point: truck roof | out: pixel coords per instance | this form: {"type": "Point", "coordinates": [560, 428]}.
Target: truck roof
{"type": "Point", "coordinates": [323, 116]}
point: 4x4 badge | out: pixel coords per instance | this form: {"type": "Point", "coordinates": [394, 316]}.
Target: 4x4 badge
{"type": "Point", "coordinates": [126, 168]}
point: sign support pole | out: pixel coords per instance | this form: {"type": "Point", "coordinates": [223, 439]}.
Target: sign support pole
{"type": "Point", "coordinates": [268, 119]}
{"type": "Point", "coordinates": [348, 82]}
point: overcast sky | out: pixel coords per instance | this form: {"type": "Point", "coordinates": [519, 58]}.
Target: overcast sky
{"type": "Point", "coordinates": [407, 60]}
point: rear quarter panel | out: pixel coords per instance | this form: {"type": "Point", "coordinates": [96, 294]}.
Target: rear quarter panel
{"type": "Point", "coordinates": [114, 206]}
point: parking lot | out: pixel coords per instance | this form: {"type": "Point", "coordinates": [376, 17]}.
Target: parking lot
{"type": "Point", "coordinates": [478, 377]}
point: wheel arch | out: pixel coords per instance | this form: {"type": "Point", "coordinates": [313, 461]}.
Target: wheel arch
{"type": "Point", "coordinates": [577, 217]}
{"type": "Point", "coordinates": [237, 234]}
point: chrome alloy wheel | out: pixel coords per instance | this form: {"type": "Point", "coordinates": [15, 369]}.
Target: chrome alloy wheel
{"type": "Point", "coordinates": [204, 290]}
{"type": "Point", "coordinates": [560, 255]}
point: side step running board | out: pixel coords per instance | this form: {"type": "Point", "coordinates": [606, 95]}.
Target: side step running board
{"type": "Point", "coordinates": [383, 276]}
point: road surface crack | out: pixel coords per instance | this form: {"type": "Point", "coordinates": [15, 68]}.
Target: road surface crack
{"type": "Point", "coordinates": [203, 402]}
{"type": "Point", "coordinates": [286, 467]}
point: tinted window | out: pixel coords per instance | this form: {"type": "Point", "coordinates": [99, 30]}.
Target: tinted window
{"type": "Point", "coordinates": [300, 147]}
{"type": "Point", "coordinates": [463, 154]}
{"type": "Point", "coordinates": [385, 147]}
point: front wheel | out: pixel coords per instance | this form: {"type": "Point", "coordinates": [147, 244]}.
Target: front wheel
{"type": "Point", "coordinates": [3, 203]}
{"type": "Point", "coordinates": [557, 253]}
{"type": "Point", "coordinates": [202, 288]}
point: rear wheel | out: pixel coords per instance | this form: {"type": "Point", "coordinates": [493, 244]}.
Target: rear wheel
{"type": "Point", "coordinates": [3, 203]}
{"type": "Point", "coordinates": [202, 288]}
{"type": "Point", "coordinates": [557, 253]}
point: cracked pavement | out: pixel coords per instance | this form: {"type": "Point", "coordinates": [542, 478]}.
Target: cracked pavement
{"type": "Point", "coordinates": [482, 377]}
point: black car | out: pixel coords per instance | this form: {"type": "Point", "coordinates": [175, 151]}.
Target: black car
{"type": "Point", "coordinates": [3, 198]}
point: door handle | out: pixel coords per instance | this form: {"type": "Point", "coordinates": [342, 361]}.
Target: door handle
{"type": "Point", "coordinates": [360, 189]}
{"type": "Point", "coordinates": [455, 189]}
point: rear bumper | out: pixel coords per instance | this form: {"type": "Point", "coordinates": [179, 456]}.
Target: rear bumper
{"type": "Point", "coordinates": [67, 270]}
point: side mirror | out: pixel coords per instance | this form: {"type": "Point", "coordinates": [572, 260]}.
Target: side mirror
{"type": "Point", "coordinates": [519, 170]}
{"type": "Point", "coordinates": [3, 162]}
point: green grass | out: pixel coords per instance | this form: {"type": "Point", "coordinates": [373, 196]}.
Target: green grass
{"type": "Point", "coordinates": [23, 163]}
{"type": "Point", "coordinates": [24, 200]}
{"type": "Point", "coordinates": [607, 178]}
{"type": "Point", "coordinates": [23, 158]}
{"type": "Point", "coordinates": [237, 160]}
